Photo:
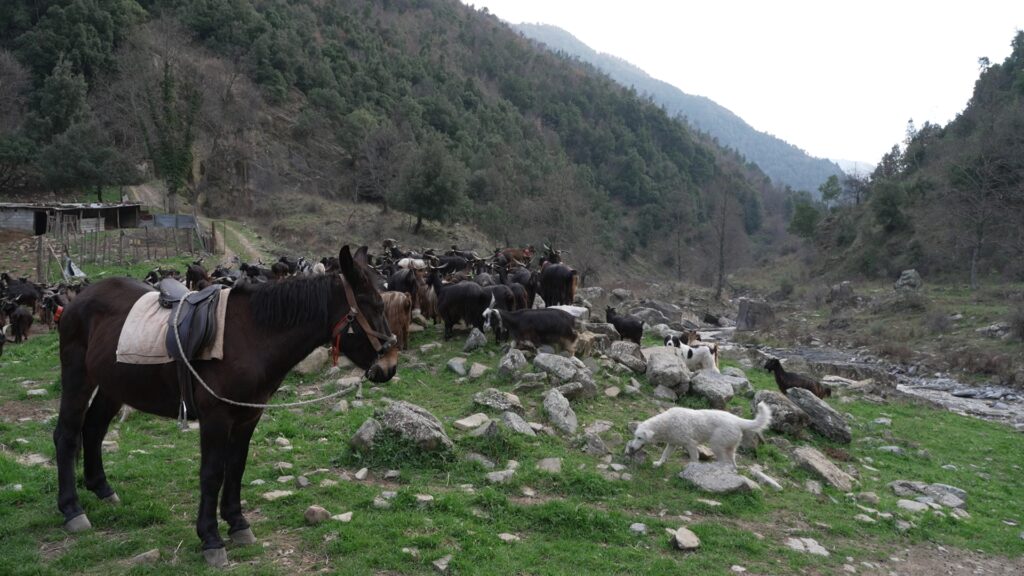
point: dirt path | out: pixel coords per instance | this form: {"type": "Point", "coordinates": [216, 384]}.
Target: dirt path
{"type": "Point", "coordinates": [147, 195]}
{"type": "Point", "coordinates": [250, 250]}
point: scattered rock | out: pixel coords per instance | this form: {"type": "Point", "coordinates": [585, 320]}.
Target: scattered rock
{"type": "Point", "coordinates": [908, 280]}
{"type": "Point", "coordinates": [638, 528]}
{"type": "Point", "coordinates": [664, 393]}
{"type": "Point", "coordinates": [787, 417]}
{"type": "Point", "coordinates": [911, 505]}
{"type": "Point", "coordinates": [508, 538]}
{"type": "Point", "coordinates": [754, 315]}
{"type": "Point", "coordinates": [276, 494]}
{"type": "Point", "coordinates": [551, 465]}
{"type": "Point", "coordinates": [424, 499]}
{"type": "Point", "coordinates": [516, 423]}
{"type": "Point", "coordinates": [480, 459]}
{"type": "Point", "coordinates": [500, 477]}
{"type": "Point", "coordinates": [620, 295]}
{"type": "Point", "coordinates": [441, 564]}
{"type": "Point", "coordinates": [716, 478]}
{"type": "Point", "coordinates": [457, 365]}
{"type": "Point", "coordinates": [683, 539]}
{"type": "Point", "coordinates": [594, 445]}
{"type": "Point", "coordinates": [882, 422]}
{"type": "Point", "coordinates": [341, 406]}
{"type": "Point", "coordinates": [824, 419]}
{"type": "Point", "coordinates": [37, 392]}
{"type": "Point", "coordinates": [302, 482]}
{"type": "Point", "coordinates": [429, 347]}
{"type": "Point", "coordinates": [864, 518]}
{"type": "Point", "coordinates": [471, 422]}
{"type": "Point", "coordinates": [497, 400]}
{"type": "Point", "coordinates": [381, 503]}
{"type": "Point", "coordinates": [363, 438]}
{"type": "Point", "coordinates": [316, 514]}
{"type": "Point", "coordinates": [559, 412]}
{"type": "Point", "coordinates": [557, 366]}
{"type": "Point", "coordinates": [716, 387]}
{"type": "Point", "coordinates": [512, 362]}
{"type": "Point", "coordinates": [578, 390]}
{"type": "Point", "coordinates": [942, 494]}
{"type": "Point", "coordinates": [813, 486]}
{"type": "Point", "coordinates": [603, 329]}
{"type": "Point", "coordinates": [612, 392]}
{"type": "Point", "coordinates": [476, 370]}
{"type": "Point", "coordinates": [765, 479]}
{"type": "Point", "coordinates": [392, 475]}
{"type": "Point", "coordinates": [808, 545]}
{"type": "Point", "coordinates": [668, 369]}
{"type": "Point", "coordinates": [869, 498]}
{"type": "Point", "coordinates": [813, 461]}
{"type": "Point", "coordinates": [346, 517]}
{"type": "Point", "coordinates": [628, 354]}
{"type": "Point", "coordinates": [415, 424]}
{"type": "Point", "coordinates": [891, 450]}
{"type": "Point", "coordinates": [314, 363]}
{"type": "Point", "coordinates": [362, 474]}
{"type": "Point", "coordinates": [475, 340]}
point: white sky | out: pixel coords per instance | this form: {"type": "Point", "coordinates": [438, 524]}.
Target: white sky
{"type": "Point", "coordinates": [837, 78]}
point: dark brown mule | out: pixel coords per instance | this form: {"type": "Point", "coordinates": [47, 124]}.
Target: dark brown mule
{"type": "Point", "coordinates": [270, 327]}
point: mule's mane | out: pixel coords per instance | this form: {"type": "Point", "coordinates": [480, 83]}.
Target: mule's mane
{"type": "Point", "coordinates": [290, 302]}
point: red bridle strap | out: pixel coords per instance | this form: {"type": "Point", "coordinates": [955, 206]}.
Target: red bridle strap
{"type": "Point", "coordinates": [353, 314]}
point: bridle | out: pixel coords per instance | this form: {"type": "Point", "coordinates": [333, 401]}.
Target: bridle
{"type": "Point", "coordinates": [381, 343]}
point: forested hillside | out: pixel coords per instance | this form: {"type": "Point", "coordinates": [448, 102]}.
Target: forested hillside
{"type": "Point", "coordinates": [429, 106]}
{"type": "Point", "coordinates": [949, 201]}
{"type": "Point", "coordinates": [786, 164]}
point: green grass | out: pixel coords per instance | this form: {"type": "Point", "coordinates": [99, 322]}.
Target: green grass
{"type": "Point", "coordinates": [577, 523]}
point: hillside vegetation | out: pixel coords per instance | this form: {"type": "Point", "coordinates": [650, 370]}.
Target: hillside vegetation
{"type": "Point", "coordinates": [949, 201]}
{"type": "Point", "coordinates": [427, 106]}
{"type": "Point", "coordinates": [786, 164]}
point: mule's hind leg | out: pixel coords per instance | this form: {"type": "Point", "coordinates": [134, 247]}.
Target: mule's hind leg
{"type": "Point", "coordinates": [74, 401]}
{"type": "Point", "coordinates": [231, 498]}
{"type": "Point", "coordinates": [97, 421]}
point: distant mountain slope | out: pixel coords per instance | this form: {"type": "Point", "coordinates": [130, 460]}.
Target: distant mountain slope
{"type": "Point", "coordinates": [784, 163]}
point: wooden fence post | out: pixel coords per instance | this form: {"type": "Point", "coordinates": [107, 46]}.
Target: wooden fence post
{"type": "Point", "coordinates": [39, 259]}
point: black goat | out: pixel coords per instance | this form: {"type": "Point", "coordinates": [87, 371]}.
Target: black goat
{"type": "Point", "coordinates": [20, 318]}
{"type": "Point", "coordinates": [542, 326]}
{"type": "Point", "coordinates": [465, 301]}
{"type": "Point", "coordinates": [629, 327]}
{"type": "Point", "coordinates": [787, 380]}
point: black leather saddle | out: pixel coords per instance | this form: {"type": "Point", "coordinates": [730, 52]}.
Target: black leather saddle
{"type": "Point", "coordinates": [196, 327]}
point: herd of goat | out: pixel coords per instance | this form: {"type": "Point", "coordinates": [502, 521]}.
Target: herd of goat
{"type": "Point", "coordinates": [515, 293]}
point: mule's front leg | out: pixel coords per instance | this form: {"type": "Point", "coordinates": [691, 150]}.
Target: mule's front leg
{"type": "Point", "coordinates": [231, 498]}
{"type": "Point", "coordinates": [214, 434]}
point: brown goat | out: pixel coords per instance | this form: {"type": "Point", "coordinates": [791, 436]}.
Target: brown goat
{"type": "Point", "coordinates": [398, 312]}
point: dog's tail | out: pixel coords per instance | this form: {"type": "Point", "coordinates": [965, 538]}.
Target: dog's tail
{"type": "Point", "coordinates": [762, 421]}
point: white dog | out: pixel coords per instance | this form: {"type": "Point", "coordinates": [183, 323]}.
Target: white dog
{"type": "Point", "coordinates": [696, 357]}
{"type": "Point", "coordinates": [719, 430]}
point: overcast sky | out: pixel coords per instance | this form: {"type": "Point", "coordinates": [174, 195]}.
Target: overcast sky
{"type": "Point", "coordinates": [837, 78]}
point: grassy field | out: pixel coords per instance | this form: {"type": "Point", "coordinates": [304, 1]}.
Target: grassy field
{"type": "Point", "coordinates": [575, 522]}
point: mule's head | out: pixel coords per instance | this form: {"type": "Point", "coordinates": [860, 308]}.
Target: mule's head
{"type": "Point", "coordinates": [380, 363]}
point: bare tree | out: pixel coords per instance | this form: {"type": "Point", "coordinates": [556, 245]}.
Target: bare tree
{"type": "Point", "coordinates": [979, 197]}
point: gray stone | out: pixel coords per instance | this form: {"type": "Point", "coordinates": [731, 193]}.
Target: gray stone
{"type": "Point", "coordinates": [147, 557]}
{"type": "Point", "coordinates": [882, 422]}
{"type": "Point", "coordinates": [823, 418]}
{"type": "Point", "coordinates": [458, 365]}
{"type": "Point", "coordinates": [764, 479]}
{"type": "Point", "coordinates": [475, 340]}
{"type": "Point", "coordinates": [621, 295]}
{"type": "Point", "coordinates": [815, 462]}
{"type": "Point", "coordinates": [550, 465]}
{"type": "Point", "coordinates": [840, 295]}
{"type": "Point", "coordinates": [638, 528]}
{"type": "Point", "coordinates": [316, 514]}
{"type": "Point", "coordinates": [497, 400]}
{"type": "Point", "coordinates": [392, 474]}
{"type": "Point", "coordinates": [650, 316]}
{"type": "Point", "coordinates": [943, 494]}
{"type": "Point", "coordinates": [500, 477]}
{"type": "Point", "coordinates": [869, 497]}
{"type": "Point", "coordinates": [516, 423]}
{"type": "Point", "coordinates": [813, 486]}
{"type": "Point", "coordinates": [628, 354]}
{"type": "Point", "coordinates": [363, 438]}
{"type": "Point", "coordinates": [663, 393]}
{"type": "Point", "coordinates": [604, 329]}
{"type": "Point", "coordinates": [808, 545]}
{"type": "Point", "coordinates": [581, 389]}
{"type": "Point", "coordinates": [276, 494]}
{"type": "Point", "coordinates": [314, 363]}
{"type": "Point", "coordinates": [361, 474]}
{"type": "Point", "coordinates": [891, 450]}
{"type": "Point", "coordinates": [512, 362]}
{"type": "Point", "coordinates": [508, 538]}
{"type": "Point", "coordinates": [480, 459]}
{"type": "Point", "coordinates": [344, 518]}
{"type": "Point", "coordinates": [716, 387]}
{"type": "Point", "coordinates": [754, 315]}
{"type": "Point", "coordinates": [734, 372]}
{"type": "Point", "coordinates": [341, 406]}
{"type": "Point", "coordinates": [441, 564]}
{"type": "Point", "coordinates": [787, 417]}
{"type": "Point", "coordinates": [684, 539]}
{"type": "Point", "coordinates": [716, 478]}
{"type": "Point", "coordinates": [559, 412]}
{"type": "Point", "coordinates": [612, 391]}
{"type": "Point", "coordinates": [488, 429]}
{"type": "Point", "coordinates": [590, 293]}
{"type": "Point", "coordinates": [594, 445]}
{"type": "Point", "coordinates": [476, 370]}
{"type": "Point", "coordinates": [911, 506]}
{"type": "Point", "coordinates": [557, 366]}
{"type": "Point", "coordinates": [590, 344]}
{"type": "Point", "coordinates": [428, 347]}
{"type": "Point", "coordinates": [668, 369]}
{"type": "Point", "coordinates": [471, 422]}
{"type": "Point", "coordinates": [908, 280]}
{"type": "Point", "coordinates": [414, 423]}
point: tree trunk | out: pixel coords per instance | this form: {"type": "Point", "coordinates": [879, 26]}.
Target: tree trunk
{"type": "Point", "coordinates": [419, 224]}
{"type": "Point", "coordinates": [974, 266]}
{"type": "Point", "coordinates": [721, 248]}
{"type": "Point", "coordinates": [99, 194]}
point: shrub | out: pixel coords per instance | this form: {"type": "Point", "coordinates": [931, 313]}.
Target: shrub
{"type": "Point", "coordinates": [938, 323]}
{"type": "Point", "coordinates": [1017, 323]}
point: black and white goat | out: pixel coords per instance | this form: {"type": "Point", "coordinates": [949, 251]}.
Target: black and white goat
{"type": "Point", "coordinates": [539, 326]}
{"type": "Point", "coordinates": [696, 357]}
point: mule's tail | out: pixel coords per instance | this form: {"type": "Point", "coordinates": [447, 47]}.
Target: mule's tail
{"type": "Point", "coordinates": [762, 421]}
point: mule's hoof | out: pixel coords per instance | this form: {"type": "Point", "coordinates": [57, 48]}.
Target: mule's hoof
{"type": "Point", "coordinates": [216, 557]}
{"type": "Point", "coordinates": [112, 499]}
{"type": "Point", "coordinates": [79, 523]}
{"type": "Point", "coordinates": [243, 537]}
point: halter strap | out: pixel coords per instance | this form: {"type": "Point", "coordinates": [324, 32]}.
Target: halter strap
{"type": "Point", "coordinates": [372, 335]}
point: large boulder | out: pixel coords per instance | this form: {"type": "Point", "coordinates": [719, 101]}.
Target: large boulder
{"type": "Point", "coordinates": [512, 363]}
{"type": "Point", "coordinates": [908, 280]}
{"type": "Point", "coordinates": [628, 354]}
{"type": "Point", "coordinates": [591, 344]}
{"type": "Point", "coordinates": [621, 295]}
{"type": "Point", "coordinates": [415, 424]}
{"type": "Point", "coordinates": [603, 328]}
{"type": "Point", "coordinates": [559, 412]}
{"type": "Point", "coordinates": [498, 400]}
{"type": "Point", "coordinates": [787, 417]}
{"type": "Point", "coordinates": [580, 313]}
{"type": "Point", "coordinates": [315, 362]}
{"type": "Point", "coordinates": [716, 387]}
{"type": "Point", "coordinates": [841, 294]}
{"type": "Point", "coordinates": [824, 419]}
{"type": "Point", "coordinates": [562, 368]}
{"type": "Point", "coordinates": [665, 367]}
{"type": "Point", "coordinates": [650, 316]}
{"type": "Point", "coordinates": [661, 331]}
{"type": "Point", "coordinates": [815, 462]}
{"type": "Point", "coordinates": [754, 315]}
{"type": "Point", "coordinates": [943, 494]}
{"type": "Point", "coordinates": [516, 423]}
{"type": "Point", "coordinates": [716, 478]}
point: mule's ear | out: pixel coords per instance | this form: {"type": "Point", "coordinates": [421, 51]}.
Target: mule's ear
{"type": "Point", "coordinates": [348, 265]}
{"type": "Point", "coordinates": [361, 256]}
